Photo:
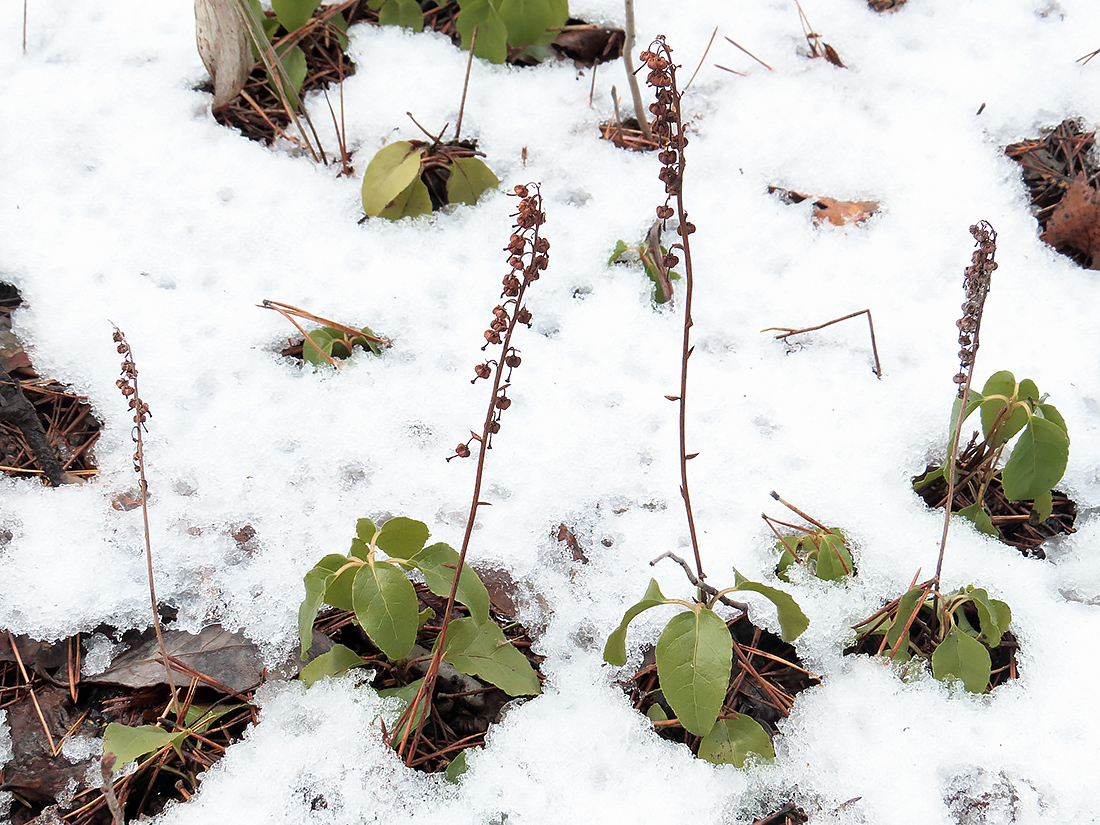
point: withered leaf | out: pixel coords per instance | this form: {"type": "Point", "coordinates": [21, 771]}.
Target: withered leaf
{"type": "Point", "coordinates": [840, 213]}
{"type": "Point", "coordinates": [221, 34]}
{"type": "Point", "coordinates": [1074, 226]}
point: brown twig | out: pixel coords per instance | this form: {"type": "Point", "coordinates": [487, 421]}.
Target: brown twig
{"type": "Point", "coordinates": [706, 51]}
{"type": "Point", "coordinates": [786, 332]}
{"type": "Point", "coordinates": [750, 54]}
{"type": "Point", "coordinates": [465, 84]}
{"type": "Point", "coordinates": [701, 585]}
{"type": "Point", "coordinates": [30, 687]}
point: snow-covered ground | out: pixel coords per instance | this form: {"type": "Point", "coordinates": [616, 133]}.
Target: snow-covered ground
{"type": "Point", "coordinates": [121, 199]}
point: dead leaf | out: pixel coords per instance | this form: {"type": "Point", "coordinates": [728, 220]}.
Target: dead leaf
{"type": "Point", "coordinates": [840, 213]}
{"type": "Point", "coordinates": [653, 250]}
{"type": "Point", "coordinates": [589, 45]}
{"type": "Point", "coordinates": [227, 658]}
{"type": "Point", "coordinates": [1074, 226]}
{"type": "Point", "coordinates": [221, 35]}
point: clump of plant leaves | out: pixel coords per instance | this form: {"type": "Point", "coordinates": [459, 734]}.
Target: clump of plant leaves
{"type": "Point", "coordinates": [963, 635]}
{"type": "Point", "coordinates": [506, 28]}
{"type": "Point", "coordinates": [822, 550]}
{"type": "Point", "coordinates": [336, 344]}
{"type": "Point", "coordinates": [413, 177]}
{"type": "Point", "coordinates": [651, 254]}
{"type": "Point", "coordinates": [1016, 501]}
{"type": "Point", "coordinates": [711, 693]}
{"type": "Point", "coordinates": [398, 623]}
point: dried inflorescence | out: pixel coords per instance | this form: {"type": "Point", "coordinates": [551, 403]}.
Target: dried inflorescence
{"type": "Point", "coordinates": [977, 279]}
{"type": "Point", "coordinates": [128, 384]}
{"type": "Point", "coordinates": [662, 77]}
{"type": "Point", "coordinates": [527, 256]}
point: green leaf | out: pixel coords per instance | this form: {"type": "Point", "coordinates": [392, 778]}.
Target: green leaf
{"type": "Point", "coordinates": [907, 605]}
{"type": "Point", "coordinates": [337, 661]}
{"type": "Point", "coordinates": [127, 743]}
{"type": "Point", "coordinates": [469, 179]}
{"type": "Point", "coordinates": [789, 546]}
{"type": "Point", "coordinates": [1004, 614]}
{"type": "Point", "coordinates": [316, 582]}
{"type": "Point", "coordinates": [1043, 505]}
{"type": "Point", "coordinates": [614, 652]}
{"type": "Point", "coordinates": [365, 529]}
{"type": "Point", "coordinates": [962, 657]}
{"type": "Point", "coordinates": [492, 33]}
{"type": "Point", "coordinates": [457, 767]}
{"type": "Point", "coordinates": [528, 21]}
{"type": "Point", "coordinates": [618, 251]}
{"type": "Point", "coordinates": [834, 559]}
{"type": "Point", "coordinates": [1027, 391]}
{"type": "Point", "coordinates": [482, 650]}
{"type": "Point", "coordinates": [318, 341]}
{"type": "Point", "coordinates": [388, 174]}
{"type": "Point", "coordinates": [1050, 413]}
{"type": "Point", "coordinates": [656, 713]}
{"type": "Point", "coordinates": [402, 538]}
{"type": "Point", "coordinates": [438, 563]}
{"type": "Point", "coordinates": [293, 61]}
{"type": "Point", "coordinates": [694, 658]}
{"type": "Point", "coordinates": [386, 608]}
{"type": "Point", "coordinates": [1037, 462]}
{"type": "Point", "coordinates": [992, 630]}
{"type": "Point", "coordinates": [980, 517]}
{"type": "Point", "coordinates": [339, 25]}
{"type": "Point", "coordinates": [731, 741]}
{"type": "Point", "coordinates": [293, 14]}
{"type": "Point", "coordinates": [792, 621]}
{"type": "Point", "coordinates": [410, 202]}
{"type": "Point", "coordinates": [928, 478]}
{"type": "Point", "coordinates": [405, 13]}
{"type": "Point", "coordinates": [1002, 383]}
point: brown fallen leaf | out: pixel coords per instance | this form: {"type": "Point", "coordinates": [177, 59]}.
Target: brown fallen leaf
{"type": "Point", "coordinates": [1074, 226]}
{"type": "Point", "coordinates": [840, 213]}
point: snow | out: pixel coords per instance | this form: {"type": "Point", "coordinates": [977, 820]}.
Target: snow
{"type": "Point", "coordinates": [123, 201]}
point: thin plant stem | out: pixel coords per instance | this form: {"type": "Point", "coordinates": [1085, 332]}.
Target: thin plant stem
{"type": "Point", "coordinates": [466, 84]}
{"type": "Point", "coordinates": [786, 332]}
{"type": "Point", "coordinates": [706, 51]}
{"type": "Point", "coordinates": [631, 74]}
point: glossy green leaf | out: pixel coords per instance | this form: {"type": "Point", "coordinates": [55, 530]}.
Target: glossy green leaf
{"type": "Point", "coordinates": [1038, 461]}
{"type": "Point", "coordinates": [469, 179]}
{"type": "Point", "coordinates": [318, 341]}
{"type": "Point", "coordinates": [731, 741]}
{"type": "Point", "coordinates": [411, 202]}
{"type": "Point", "coordinates": [988, 616]}
{"type": "Point", "coordinates": [1028, 392]}
{"type": "Point", "coordinates": [338, 592]}
{"type": "Point", "coordinates": [316, 582]}
{"type": "Point", "coordinates": [334, 662]}
{"type": "Point", "coordinates": [482, 650]}
{"type": "Point", "coordinates": [293, 14]}
{"type": "Point", "coordinates": [792, 621]}
{"type": "Point", "coordinates": [365, 530]}
{"type": "Point", "coordinates": [789, 547]}
{"type": "Point", "coordinates": [833, 558]}
{"type": "Point", "coordinates": [128, 743]}
{"type": "Point", "coordinates": [402, 537]}
{"type": "Point", "coordinates": [614, 652]}
{"type": "Point", "coordinates": [927, 478]}
{"type": "Point", "coordinates": [438, 563]}
{"type": "Point", "coordinates": [528, 21]}
{"type": "Point", "coordinates": [339, 25]}
{"type": "Point", "coordinates": [492, 33]}
{"type": "Point", "coordinates": [359, 550]}
{"type": "Point", "coordinates": [388, 174]}
{"type": "Point", "coordinates": [1002, 384]}
{"type": "Point", "coordinates": [980, 517]}
{"type": "Point", "coordinates": [656, 713]}
{"type": "Point", "coordinates": [405, 13]}
{"type": "Point", "coordinates": [386, 608]}
{"type": "Point", "coordinates": [907, 606]}
{"type": "Point", "coordinates": [1051, 414]}
{"type": "Point", "coordinates": [1004, 614]}
{"type": "Point", "coordinates": [961, 657]}
{"type": "Point", "coordinates": [694, 658]}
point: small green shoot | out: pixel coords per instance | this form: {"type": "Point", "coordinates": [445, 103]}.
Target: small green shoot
{"type": "Point", "coordinates": [411, 177]}
{"type": "Point", "coordinates": [651, 263]}
{"type": "Point", "coordinates": [822, 550]}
